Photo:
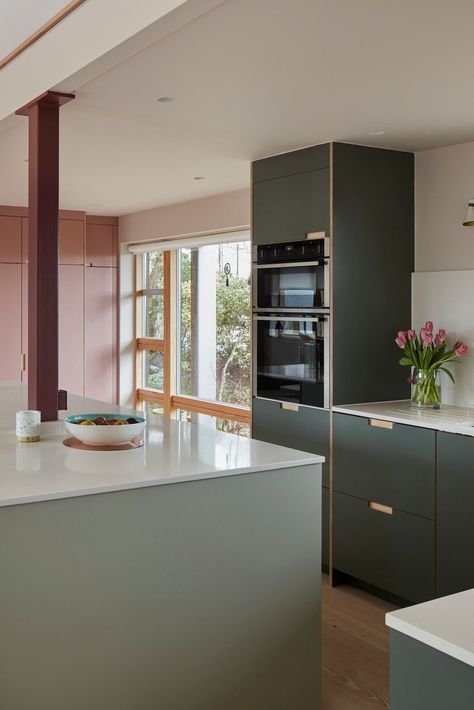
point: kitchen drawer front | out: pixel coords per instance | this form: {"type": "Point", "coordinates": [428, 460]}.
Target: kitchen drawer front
{"type": "Point", "coordinates": [394, 466]}
{"type": "Point", "coordinates": [325, 527]}
{"type": "Point", "coordinates": [287, 208]}
{"type": "Point", "coordinates": [454, 514]}
{"type": "Point", "coordinates": [393, 552]}
{"type": "Point", "coordinates": [298, 161]}
{"type": "Point", "coordinates": [305, 430]}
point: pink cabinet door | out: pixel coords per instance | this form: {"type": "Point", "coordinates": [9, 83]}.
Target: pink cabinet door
{"type": "Point", "coordinates": [101, 245]}
{"type": "Point", "coordinates": [10, 322]}
{"type": "Point", "coordinates": [10, 239]}
{"type": "Point", "coordinates": [71, 241]}
{"type": "Point", "coordinates": [71, 328]}
{"type": "Point", "coordinates": [101, 333]}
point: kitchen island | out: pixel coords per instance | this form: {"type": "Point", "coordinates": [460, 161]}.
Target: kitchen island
{"type": "Point", "coordinates": [181, 575]}
{"type": "Point", "coordinates": [432, 654]}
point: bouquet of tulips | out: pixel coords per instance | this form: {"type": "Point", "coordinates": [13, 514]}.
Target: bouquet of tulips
{"type": "Point", "coordinates": [427, 353]}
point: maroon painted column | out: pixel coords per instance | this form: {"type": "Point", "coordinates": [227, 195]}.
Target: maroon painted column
{"type": "Point", "coordinates": [43, 210]}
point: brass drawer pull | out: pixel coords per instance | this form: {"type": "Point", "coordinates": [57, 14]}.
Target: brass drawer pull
{"type": "Point", "coordinates": [380, 507]}
{"type": "Point", "coordinates": [315, 235]}
{"type": "Point", "coordinates": [289, 406]}
{"type": "Point", "coordinates": [381, 423]}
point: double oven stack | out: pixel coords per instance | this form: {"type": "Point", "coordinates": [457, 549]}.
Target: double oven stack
{"type": "Point", "coordinates": [291, 322]}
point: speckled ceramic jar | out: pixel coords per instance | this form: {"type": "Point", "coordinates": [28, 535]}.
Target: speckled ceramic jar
{"type": "Point", "coordinates": [28, 426]}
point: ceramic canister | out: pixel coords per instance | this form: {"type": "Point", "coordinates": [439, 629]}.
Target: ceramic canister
{"type": "Point", "coordinates": [28, 425]}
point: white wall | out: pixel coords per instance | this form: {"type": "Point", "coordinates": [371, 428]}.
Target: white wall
{"type": "Point", "coordinates": [208, 214]}
{"type": "Point", "coordinates": [444, 184]}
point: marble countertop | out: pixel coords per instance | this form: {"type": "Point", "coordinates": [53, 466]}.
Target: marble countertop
{"type": "Point", "coordinates": [446, 624]}
{"type": "Point", "coordinates": [456, 420]}
{"type": "Point", "coordinates": [174, 452]}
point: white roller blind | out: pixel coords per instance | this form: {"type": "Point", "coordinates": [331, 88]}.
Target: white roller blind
{"type": "Point", "coordinates": [190, 241]}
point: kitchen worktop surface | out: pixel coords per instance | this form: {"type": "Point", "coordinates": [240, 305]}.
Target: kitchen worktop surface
{"type": "Point", "coordinates": [174, 452]}
{"type": "Point", "coordinates": [457, 420]}
{"type": "Point", "coordinates": [446, 624]}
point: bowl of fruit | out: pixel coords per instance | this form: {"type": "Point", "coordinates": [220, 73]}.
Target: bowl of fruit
{"type": "Point", "coordinates": [105, 429]}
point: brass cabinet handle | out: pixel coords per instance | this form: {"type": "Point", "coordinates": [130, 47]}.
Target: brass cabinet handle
{"type": "Point", "coordinates": [380, 423]}
{"type": "Point", "coordinates": [315, 235]}
{"type": "Point", "coordinates": [380, 507]}
{"type": "Point", "coordinates": [23, 362]}
{"type": "Point", "coordinates": [290, 406]}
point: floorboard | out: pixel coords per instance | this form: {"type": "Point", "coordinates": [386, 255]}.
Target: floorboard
{"type": "Point", "coordinates": [355, 649]}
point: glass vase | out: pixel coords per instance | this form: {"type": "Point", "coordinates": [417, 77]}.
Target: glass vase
{"type": "Point", "coordinates": [426, 389]}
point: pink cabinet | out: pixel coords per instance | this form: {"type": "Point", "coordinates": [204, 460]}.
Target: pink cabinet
{"type": "Point", "coordinates": [101, 333]}
{"type": "Point", "coordinates": [10, 322]}
{"type": "Point", "coordinates": [10, 239]}
{"type": "Point", "coordinates": [71, 241]}
{"type": "Point", "coordinates": [71, 328]}
{"type": "Point", "coordinates": [101, 245]}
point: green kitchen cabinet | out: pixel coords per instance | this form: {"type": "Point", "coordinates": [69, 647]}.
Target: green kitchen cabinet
{"type": "Point", "coordinates": [286, 208]}
{"type": "Point", "coordinates": [305, 160]}
{"type": "Point", "coordinates": [454, 513]}
{"type": "Point", "coordinates": [392, 551]}
{"type": "Point", "coordinates": [394, 466]}
{"type": "Point", "coordinates": [306, 429]}
{"type": "Point", "coordinates": [325, 528]}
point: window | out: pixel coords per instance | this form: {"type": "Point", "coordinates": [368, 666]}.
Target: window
{"type": "Point", "coordinates": [193, 334]}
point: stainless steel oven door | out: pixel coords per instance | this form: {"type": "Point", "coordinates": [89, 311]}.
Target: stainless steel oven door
{"type": "Point", "coordinates": [291, 286]}
{"type": "Point", "coordinates": [291, 358]}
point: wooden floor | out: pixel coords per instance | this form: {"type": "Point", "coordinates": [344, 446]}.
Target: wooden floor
{"type": "Point", "coordinates": [355, 649]}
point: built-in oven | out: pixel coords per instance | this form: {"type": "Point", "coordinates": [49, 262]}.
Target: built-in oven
{"type": "Point", "coordinates": [291, 357]}
{"type": "Point", "coordinates": [291, 276]}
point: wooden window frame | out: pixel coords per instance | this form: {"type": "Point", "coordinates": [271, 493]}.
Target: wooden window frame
{"type": "Point", "coordinates": [168, 398]}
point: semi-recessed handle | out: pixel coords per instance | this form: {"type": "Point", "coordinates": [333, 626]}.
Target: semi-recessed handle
{"type": "Point", "coordinates": [380, 507]}
{"type": "Point", "coordinates": [23, 362]}
{"type": "Point", "coordinates": [289, 406]}
{"type": "Point", "coordinates": [381, 423]}
{"type": "Point", "coordinates": [315, 235]}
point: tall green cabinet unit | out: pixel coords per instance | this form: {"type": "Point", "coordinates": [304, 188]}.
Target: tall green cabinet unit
{"type": "Point", "coordinates": [362, 198]}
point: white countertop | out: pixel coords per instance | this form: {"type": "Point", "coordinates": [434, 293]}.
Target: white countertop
{"type": "Point", "coordinates": [456, 420]}
{"type": "Point", "coordinates": [174, 452]}
{"type": "Point", "coordinates": [446, 624]}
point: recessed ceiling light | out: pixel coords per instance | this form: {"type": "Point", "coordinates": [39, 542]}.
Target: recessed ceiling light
{"type": "Point", "coordinates": [376, 132]}
{"type": "Point", "coordinates": [199, 177]}
{"type": "Point", "coordinates": [165, 99]}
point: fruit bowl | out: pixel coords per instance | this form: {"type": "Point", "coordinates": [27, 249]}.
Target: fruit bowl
{"type": "Point", "coordinates": [105, 429]}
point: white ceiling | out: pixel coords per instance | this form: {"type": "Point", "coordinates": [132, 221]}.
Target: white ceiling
{"type": "Point", "coordinates": [20, 18]}
{"type": "Point", "coordinates": [251, 78]}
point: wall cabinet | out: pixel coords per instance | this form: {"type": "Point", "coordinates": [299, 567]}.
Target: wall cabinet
{"type": "Point", "coordinates": [454, 513]}
{"type": "Point", "coordinates": [285, 209]}
{"type": "Point", "coordinates": [10, 239]}
{"type": "Point", "coordinates": [101, 333]}
{"type": "Point", "coordinates": [83, 306]}
{"type": "Point", "coordinates": [10, 322]}
{"type": "Point", "coordinates": [101, 244]}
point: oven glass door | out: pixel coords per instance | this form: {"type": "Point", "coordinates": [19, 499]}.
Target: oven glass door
{"type": "Point", "coordinates": [292, 355]}
{"type": "Point", "coordinates": [301, 285]}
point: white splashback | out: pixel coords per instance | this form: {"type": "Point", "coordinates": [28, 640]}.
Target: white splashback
{"type": "Point", "coordinates": [447, 299]}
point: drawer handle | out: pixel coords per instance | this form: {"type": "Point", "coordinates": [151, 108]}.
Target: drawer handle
{"type": "Point", "coordinates": [315, 235]}
{"type": "Point", "coordinates": [381, 423]}
{"type": "Point", "coordinates": [289, 406]}
{"type": "Point", "coordinates": [380, 507]}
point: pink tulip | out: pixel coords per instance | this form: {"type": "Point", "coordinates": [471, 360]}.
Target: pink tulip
{"type": "Point", "coordinates": [401, 339]}
{"type": "Point", "coordinates": [410, 334]}
{"type": "Point", "coordinates": [440, 337]}
{"type": "Point", "coordinates": [426, 337]}
{"type": "Point", "coordinates": [460, 348]}
{"type": "Point", "coordinates": [429, 326]}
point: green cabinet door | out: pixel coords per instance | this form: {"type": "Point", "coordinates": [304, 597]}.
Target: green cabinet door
{"type": "Point", "coordinates": [393, 466]}
{"type": "Point", "coordinates": [325, 528]}
{"type": "Point", "coordinates": [454, 513]}
{"type": "Point", "coordinates": [305, 430]}
{"type": "Point", "coordinates": [286, 208]}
